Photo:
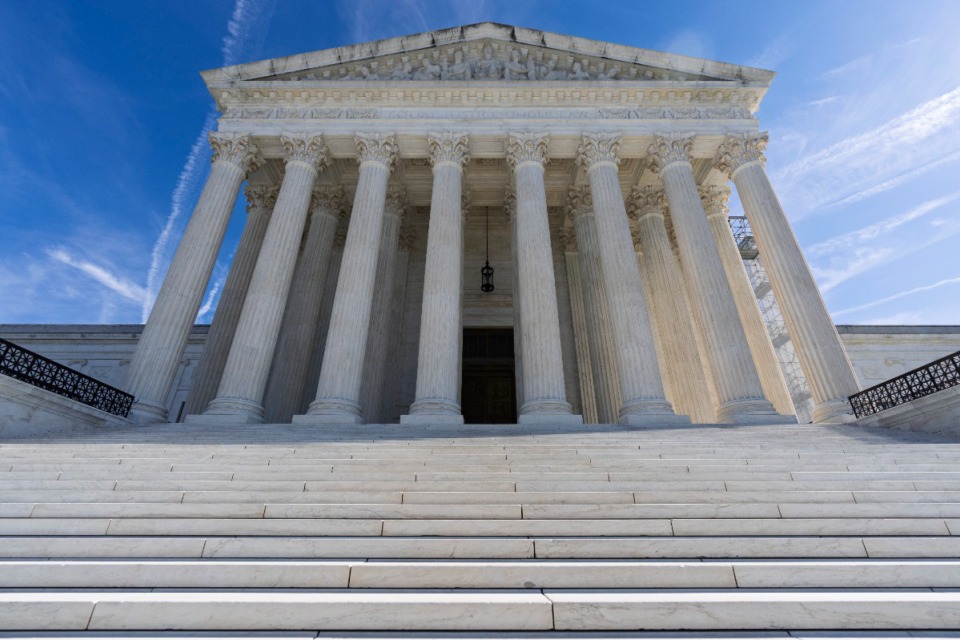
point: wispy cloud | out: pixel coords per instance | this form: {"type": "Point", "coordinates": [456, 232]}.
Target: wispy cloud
{"type": "Point", "coordinates": [863, 165]}
{"type": "Point", "coordinates": [842, 257]}
{"type": "Point", "coordinates": [857, 65]}
{"type": "Point", "coordinates": [898, 296]}
{"type": "Point", "coordinates": [245, 31]}
{"type": "Point", "coordinates": [188, 185]}
{"type": "Point", "coordinates": [211, 300]}
{"type": "Point", "coordinates": [775, 53]}
{"type": "Point", "coordinates": [125, 288]}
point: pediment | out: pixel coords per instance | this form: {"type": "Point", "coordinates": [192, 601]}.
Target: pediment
{"type": "Point", "coordinates": [488, 52]}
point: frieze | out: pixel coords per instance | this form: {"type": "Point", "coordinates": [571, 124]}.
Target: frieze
{"type": "Point", "coordinates": [640, 113]}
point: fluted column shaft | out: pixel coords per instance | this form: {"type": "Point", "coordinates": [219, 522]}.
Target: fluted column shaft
{"type": "Point", "coordinates": [642, 399]}
{"type": "Point", "coordinates": [578, 314]}
{"type": "Point", "coordinates": [381, 334]}
{"type": "Point", "coordinates": [816, 341]}
{"type": "Point", "coordinates": [544, 392]}
{"type": "Point", "coordinates": [206, 378]}
{"type": "Point", "coordinates": [510, 207]}
{"type": "Point", "coordinates": [603, 349]}
{"type": "Point", "coordinates": [288, 375]}
{"type": "Point", "coordinates": [688, 382]}
{"type": "Point", "coordinates": [438, 362]}
{"type": "Point", "coordinates": [338, 390]}
{"type": "Point", "coordinates": [153, 367]}
{"type": "Point", "coordinates": [245, 375]}
{"type": "Point", "coordinates": [764, 356]}
{"type": "Point", "coordinates": [735, 377]}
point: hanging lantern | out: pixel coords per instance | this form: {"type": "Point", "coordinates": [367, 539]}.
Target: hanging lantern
{"type": "Point", "coordinates": [486, 272]}
{"type": "Point", "coordinates": [486, 276]}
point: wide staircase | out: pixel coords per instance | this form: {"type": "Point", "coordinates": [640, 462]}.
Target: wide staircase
{"type": "Point", "coordinates": [496, 531]}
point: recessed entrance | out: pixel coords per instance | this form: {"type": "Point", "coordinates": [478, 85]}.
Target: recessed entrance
{"type": "Point", "coordinates": [488, 394]}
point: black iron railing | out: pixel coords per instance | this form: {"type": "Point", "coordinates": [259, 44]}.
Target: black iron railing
{"type": "Point", "coordinates": [922, 381]}
{"type": "Point", "coordinates": [33, 368]}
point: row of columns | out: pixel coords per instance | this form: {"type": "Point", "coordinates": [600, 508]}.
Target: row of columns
{"type": "Point", "coordinates": [247, 340]}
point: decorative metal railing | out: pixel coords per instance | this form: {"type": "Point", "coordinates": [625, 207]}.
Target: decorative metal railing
{"type": "Point", "coordinates": [33, 368]}
{"type": "Point", "coordinates": [922, 381]}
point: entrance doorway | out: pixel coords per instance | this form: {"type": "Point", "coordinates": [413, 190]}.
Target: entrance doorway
{"type": "Point", "coordinates": [488, 394]}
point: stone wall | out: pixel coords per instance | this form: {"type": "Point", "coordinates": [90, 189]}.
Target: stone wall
{"type": "Point", "coordinates": [882, 352]}
{"type": "Point", "coordinates": [878, 353]}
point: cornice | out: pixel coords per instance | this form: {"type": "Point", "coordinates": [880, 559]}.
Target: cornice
{"type": "Point", "coordinates": [446, 95]}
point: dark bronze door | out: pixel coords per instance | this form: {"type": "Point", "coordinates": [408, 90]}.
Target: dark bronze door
{"type": "Point", "coordinates": [488, 394]}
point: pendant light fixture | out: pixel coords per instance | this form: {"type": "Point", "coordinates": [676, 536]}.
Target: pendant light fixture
{"type": "Point", "coordinates": [486, 272]}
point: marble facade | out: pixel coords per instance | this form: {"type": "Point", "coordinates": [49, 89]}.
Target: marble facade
{"type": "Point", "coordinates": [373, 172]}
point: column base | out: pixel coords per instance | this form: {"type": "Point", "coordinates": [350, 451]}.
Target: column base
{"type": "Point", "coordinates": [227, 410]}
{"type": "Point", "coordinates": [331, 411]}
{"type": "Point", "coordinates": [747, 412]}
{"type": "Point", "coordinates": [837, 411]}
{"type": "Point", "coordinates": [650, 413]}
{"type": "Point", "coordinates": [431, 418]}
{"type": "Point", "coordinates": [146, 412]}
{"type": "Point", "coordinates": [548, 412]}
{"type": "Point", "coordinates": [433, 411]}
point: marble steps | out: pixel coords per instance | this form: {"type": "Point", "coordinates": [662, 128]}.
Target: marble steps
{"type": "Point", "coordinates": [477, 574]}
{"type": "Point", "coordinates": [434, 547]}
{"type": "Point", "coordinates": [465, 609]}
{"type": "Point", "coordinates": [454, 527]}
{"type": "Point", "coordinates": [711, 529]}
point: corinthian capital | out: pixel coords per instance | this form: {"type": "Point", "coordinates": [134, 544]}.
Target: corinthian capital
{"type": "Point", "coordinates": [669, 148]}
{"type": "Point", "coordinates": [449, 147]}
{"type": "Point", "coordinates": [510, 205]}
{"type": "Point", "coordinates": [739, 149]}
{"type": "Point", "coordinates": [376, 147]}
{"type": "Point", "coordinates": [579, 202]}
{"type": "Point", "coordinates": [396, 201]}
{"type": "Point", "coordinates": [237, 149]}
{"type": "Point", "coordinates": [637, 242]}
{"type": "Point", "coordinates": [598, 147]}
{"type": "Point", "coordinates": [646, 201]}
{"type": "Point", "coordinates": [715, 200]}
{"type": "Point", "coordinates": [326, 200]}
{"type": "Point", "coordinates": [527, 147]}
{"type": "Point", "coordinates": [568, 239]}
{"type": "Point", "coordinates": [408, 238]}
{"type": "Point", "coordinates": [260, 199]}
{"type": "Point", "coordinates": [306, 149]}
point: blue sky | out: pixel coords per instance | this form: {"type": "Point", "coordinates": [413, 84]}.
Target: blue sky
{"type": "Point", "coordinates": [103, 121]}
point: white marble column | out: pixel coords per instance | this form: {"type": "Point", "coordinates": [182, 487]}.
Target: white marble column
{"type": "Point", "coordinates": [510, 209]}
{"type": "Point", "coordinates": [438, 363]}
{"type": "Point", "coordinates": [642, 400]}
{"type": "Point", "coordinates": [544, 392]}
{"type": "Point", "coordinates": [206, 379]}
{"type": "Point", "coordinates": [686, 375]}
{"type": "Point", "coordinates": [603, 349]}
{"type": "Point", "coordinates": [822, 355]}
{"type": "Point", "coordinates": [714, 200]}
{"type": "Point", "coordinates": [288, 374]}
{"type": "Point", "coordinates": [150, 375]}
{"type": "Point", "coordinates": [735, 377]}
{"type": "Point", "coordinates": [382, 334]}
{"type": "Point", "coordinates": [338, 391]}
{"type": "Point", "coordinates": [244, 378]}
{"type": "Point", "coordinates": [578, 313]}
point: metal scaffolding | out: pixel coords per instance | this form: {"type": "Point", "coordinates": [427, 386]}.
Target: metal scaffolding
{"type": "Point", "coordinates": [773, 319]}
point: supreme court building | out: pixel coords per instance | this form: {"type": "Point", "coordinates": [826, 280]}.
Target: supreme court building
{"type": "Point", "coordinates": [593, 178]}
